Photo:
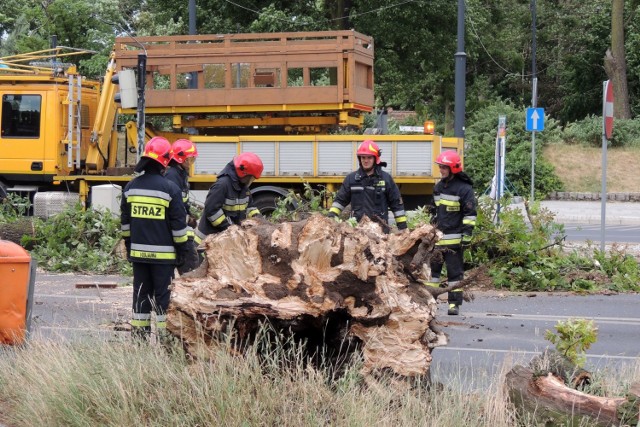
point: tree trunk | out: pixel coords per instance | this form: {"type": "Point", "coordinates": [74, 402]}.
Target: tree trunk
{"type": "Point", "coordinates": [338, 288]}
{"type": "Point", "coordinates": [615, 63]}
{"type": "Point", "coordinates": [14, 231]}
{"type": "Point", "coordinates": [541, 397]}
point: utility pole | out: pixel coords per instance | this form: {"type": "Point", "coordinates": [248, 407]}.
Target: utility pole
{"type": "Point", "coordinates": [460, 80]}
{"type": "Point", "coordinates": [193, 81]}
{"type": "Point", "coordinates": [534, 95]}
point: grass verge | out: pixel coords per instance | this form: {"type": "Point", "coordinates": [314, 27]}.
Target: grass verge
{"type": "Point", "coordinates": [107, 383]}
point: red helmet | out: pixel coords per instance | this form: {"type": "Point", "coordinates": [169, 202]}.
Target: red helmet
{"type": "Point", "coordinates": [248, 164]}
{"type": "Point", "coordinates": [451, 159]}
{"type": "Point", "coordinates": [183, 149]}
{"type": "Point", "coordinates": [369, 148]}
{"type": "Point", "coordinates": [158, 149]}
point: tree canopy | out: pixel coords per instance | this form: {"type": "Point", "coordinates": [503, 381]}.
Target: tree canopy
{"type": "Point", "coordinates": [415, 42]}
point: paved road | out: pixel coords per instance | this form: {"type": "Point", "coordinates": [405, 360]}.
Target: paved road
{"type": "Point", "coordinates": [496, 327]}
{"type": "Point", "coordinates": [493, 328]}
{"type": "Point", "coordinates": [592, 232]}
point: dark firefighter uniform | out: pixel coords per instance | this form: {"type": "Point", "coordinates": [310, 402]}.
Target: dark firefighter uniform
{"type": "Point", "coordinates": [155, 231]}
{"type": "Point", "coordinates": [455, 216]}
{"type": "Point", "coordinates": [228, 202]}
{"type": "Point", "coordinates": [179, 176]}
{"type": "Point", "coordinates": [371, 195]}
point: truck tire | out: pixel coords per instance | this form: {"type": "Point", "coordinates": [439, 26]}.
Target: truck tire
{"type": "Point", "coordinates": [266, 202]}
{"type": "Point", "coordinates": [3, 191]}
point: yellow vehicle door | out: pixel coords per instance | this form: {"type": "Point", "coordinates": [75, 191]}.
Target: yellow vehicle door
{"type": "Point", "coordinates": [22, 136]}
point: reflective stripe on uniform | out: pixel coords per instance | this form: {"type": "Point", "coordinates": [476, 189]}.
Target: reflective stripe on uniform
{"type": "Point", "coordinates": [153, 194]}
{"type": "Point", "coordinates": [357, 188]}
{"type": "Point", "coordinates": [199, 237]}
{"type": "Point", "coordinates": [469, 220]}
{"type": "Point", "coordinates": [141, 320]}
{"type": "Point", "coordinates": [454, 284]}
{"type": "Point", "coordinates": [126, 230]}
{"type": "Point", "coordinates": [335, 210]}
{"type": "Point", "coordinates": [217, 218]}
{"type": "Point", "coordinates": [152, 251]}
{"type": "Point", "coordinates": [148, 200]}
{"type": "Point", "coordinates": [400, 216]}
{"type": "Point", "coordinates": [233, 205]}
{"type": "Point", "coordinates": [161, 321]}
{"type": "Point", "coordinates": [253, 212]}
{"type": "Point", "coordinates": [446, 200]}
{"type": "Point", "coordinates": [180, 236]}
{"type": "Point", "coordinates": [450, 239]}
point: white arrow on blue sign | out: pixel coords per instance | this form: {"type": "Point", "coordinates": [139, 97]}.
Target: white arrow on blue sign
{"type": "Point", "coordinates": [535, 119]}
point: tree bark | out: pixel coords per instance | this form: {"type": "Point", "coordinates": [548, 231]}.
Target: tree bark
{"type": "Point", "coordinates": [541, 396]}
{"type": "Point", "coordinates": [336, 287]}
{"type": "Point", "coordinates": [14, 231]}
{"type": "Point", "coordinates": [615, 63]}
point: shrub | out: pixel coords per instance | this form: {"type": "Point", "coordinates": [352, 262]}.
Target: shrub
{"type": "Point", "coordinates": [80, 241]}
{"type": "Point", "coordinates": [573, 339]}
{"type": "Point", "coordinates": [588, 132]}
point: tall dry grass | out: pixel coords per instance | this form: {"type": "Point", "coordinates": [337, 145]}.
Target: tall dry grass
{"type": "Point", "coordinates": [580, 168]}
{"type": "Point", "coordinates": [118, 383]}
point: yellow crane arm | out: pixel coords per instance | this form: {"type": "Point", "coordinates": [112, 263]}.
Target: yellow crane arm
{"type": "Point", "coordinates": [101, 142]}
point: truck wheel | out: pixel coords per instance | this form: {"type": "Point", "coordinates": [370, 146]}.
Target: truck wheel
{"type": "Point", "coordinates": [266, 202]}
{"type": "Point", "coordinates": [3, 191]}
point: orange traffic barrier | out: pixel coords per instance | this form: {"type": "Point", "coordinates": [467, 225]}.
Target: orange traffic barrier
{"type": "Point", "coordinates": [16, 292]}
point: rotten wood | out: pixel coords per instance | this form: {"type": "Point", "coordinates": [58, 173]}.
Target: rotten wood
{"type": "Point", "coordinates": [328, 283]}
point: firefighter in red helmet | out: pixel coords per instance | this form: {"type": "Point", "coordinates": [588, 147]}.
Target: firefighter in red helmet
{"type": "Point", "coordinates": [183, 155]}
{"type": "Point", "coordinates": [454, 215]}
{"type": "Point", "coordinates": [229, 199]}
{"type": "Point", "coordinates": [154, 229]}
{"type": "Point", "coordinates": [370, 190]}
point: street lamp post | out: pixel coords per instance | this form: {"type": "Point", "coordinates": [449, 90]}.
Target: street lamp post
{"type": "Point", "coordinates": [461, 65]}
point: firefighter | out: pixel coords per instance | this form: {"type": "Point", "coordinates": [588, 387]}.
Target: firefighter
{"type": "Point", "coordinates": [183, 155]}
{"type": "Point", "coordinates": [454, 215]}
{"type": "Point", "coordinates": [155, 233]}
{"type": "Point", "coordinates": [370, 190]}
{"type": "Point", "coordinates": [229, 199]}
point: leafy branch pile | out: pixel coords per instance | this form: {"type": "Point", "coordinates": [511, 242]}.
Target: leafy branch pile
{"type": "Point", "coordinates": [79, 241]}
{"type": "Point", "coordinates": [526, 254]}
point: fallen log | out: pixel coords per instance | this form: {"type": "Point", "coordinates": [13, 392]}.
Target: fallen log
{"type": "Point", "coordinates": [14, 231]}
{"type": "Point", "coordinates": [542, 397]}
{"type": "Point", "coordinates": [333, 285]}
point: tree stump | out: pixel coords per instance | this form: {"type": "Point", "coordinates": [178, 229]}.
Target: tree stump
{"type": "Point", "coordinates": [328, 283]}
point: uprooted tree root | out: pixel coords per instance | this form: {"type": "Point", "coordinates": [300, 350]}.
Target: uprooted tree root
{"type": "Point", "coordinates": [338, 288]}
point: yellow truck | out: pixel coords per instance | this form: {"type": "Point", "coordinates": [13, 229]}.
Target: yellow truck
{"type": "Point", "coordinates": [289, 97]}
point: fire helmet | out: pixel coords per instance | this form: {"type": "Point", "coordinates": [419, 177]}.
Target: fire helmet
{"type": "Point", "coordinates": [183, 149]}
{"type": "Point", "coordinates": [369, 148]}
{"type": "Point", "coordinates": [158, 149]}
{"type": "Point", "coordinates": [248, 164]}
{"type": "Point", "coordinates": [451, 159]}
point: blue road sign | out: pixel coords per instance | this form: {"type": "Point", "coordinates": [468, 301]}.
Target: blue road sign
{"type": "Point", "coordinates": [535, 119]}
